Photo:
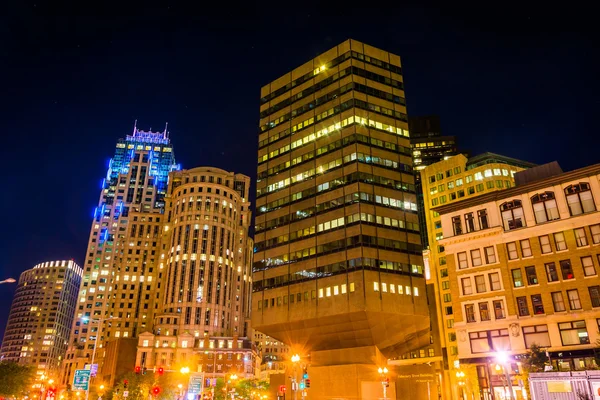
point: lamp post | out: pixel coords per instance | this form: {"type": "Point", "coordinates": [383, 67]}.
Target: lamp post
{"type": "Point", "coordinates": [384, 380]}
{"type": "Point", "coordinates": [502, 359]}
{"type": "Point", "coordinates": [101, 387]}
{"type": "Point", "coordinates": [100, 322]}
{"type": "Point", "coordinates": [295, 361]}
{"type": "Point", "coordinates": [8, 280]}
{"type": "Point", "coordinates": [184, 371]}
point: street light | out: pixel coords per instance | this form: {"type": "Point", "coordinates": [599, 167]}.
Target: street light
{"type": "Point", "coordinates": [384, 380]}
{"type": "Point", "coordinates": [8, 280]}
{"type": "Point", "coordinates": [100, 322]}
{"type": "Point", "coordinates": [185, 370]}
{"type": "Point", "coordinates": [502, 359]}
{"type": "Point", "coordinates": [295, 360]}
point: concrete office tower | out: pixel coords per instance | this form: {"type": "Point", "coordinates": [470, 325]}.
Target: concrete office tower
{"type": "Point", "coordinates": [41, 316]}
{"type": "Point", "coordinates": [203, 314]}
{"type": "Point", "coordinates": [523, 269]}
{"type": "Point", "coordinates": [120, 268]}
{"type": "Point", "coordinates": [338, 270]}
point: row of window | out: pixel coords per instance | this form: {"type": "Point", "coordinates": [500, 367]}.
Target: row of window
{"type": "Point", "coordinates": [392, 288]}
{"type": "Point", "coordinates": [479, 176]}
{"type": "Point", "coordinates": [476, 257]}
{"type": "Point", "coordinates": [558, 301]}
{"type": "Point", "coordinates": [485, 314]}
{"type": "Point", "coordinates": [565, 271]}
{"type": "Point", "coordinates": [480, 283]}
{"type": "Point", "coordinates": [299, 297]}
{"type": "Point", "coordinates": [499, 184]}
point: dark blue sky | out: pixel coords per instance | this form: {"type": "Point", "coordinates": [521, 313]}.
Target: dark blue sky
{"type": "Point", "coordinates": [513, 81]}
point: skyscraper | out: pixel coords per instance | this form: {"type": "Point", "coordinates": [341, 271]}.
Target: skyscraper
{"type": "Point", "coordinates": [120, 267]}
{"type": "Point", "coordinates": [41, 316]}
{"type": "Point", "coordinates": [428, 147]}
{"type": "Point", "coordinates": [202, 317]}
{"type": "Point", "coordinates": [338, 268]}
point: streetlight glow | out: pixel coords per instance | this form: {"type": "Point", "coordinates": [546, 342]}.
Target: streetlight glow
{"type": "Point", "coordinates": [295, 358]}
{"type": "Point", "coordinates": [185, 370]}
{"type": "Point", "coordinates": [502, 357]}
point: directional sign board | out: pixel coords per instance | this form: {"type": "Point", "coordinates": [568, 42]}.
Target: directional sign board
{"type": "Point", "coordinates": [81, 380]}
{"type": "Point", "coordinates": [195, 385]}
{"type": "Point", "coordinates": [93, 368]}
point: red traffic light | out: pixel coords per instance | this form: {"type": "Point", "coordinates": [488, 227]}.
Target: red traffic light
{"type": "Point", "coordinates": [155, 390]}
{"type": "Point", "coordinates": [138, 369]}
{"type": "Point", "coordinates": [161, 370]}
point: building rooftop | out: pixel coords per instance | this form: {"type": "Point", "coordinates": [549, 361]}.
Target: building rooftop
{"type": "Point", "coordinates": [491, 158]}
{"type": "Point", "coordinates": [527, 187]}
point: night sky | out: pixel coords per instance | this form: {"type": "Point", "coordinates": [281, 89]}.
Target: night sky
{"type": "Point", "coordinates": [513, 81]}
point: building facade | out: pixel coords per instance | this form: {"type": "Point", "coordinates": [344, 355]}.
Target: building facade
{"type": "Point", "coordinates": [202, 312]}
{"type": "Point", "coordinates": [274, 354]}
{"type": "Point", "coordinates": [41, 316]}
{"type": "Point", "coordinates": [428, 147]}
{"type": "Point", "coordinates": [447, 182]}
{"type": "Point", "coordinates": [337, 235]}
{"type": "Point", "coordinates": [121, 264]}
{"type": "Point", "coordinates": [522, 267]}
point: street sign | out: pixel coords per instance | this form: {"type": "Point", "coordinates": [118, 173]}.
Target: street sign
{"type": "Point", "coordinates": [93, 369]}
{"type": "Point", "coordinates": [81, 380]}
{"type": "Point", "coordinates": [195, 384]}
{"type": "Point", "coordinates": [126, 393]}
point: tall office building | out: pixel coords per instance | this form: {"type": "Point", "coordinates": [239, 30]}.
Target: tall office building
{"type": "Point", "coordinates": [202, 316]}
{"type": "Point", "coordinates": [121, 264]}
{"type": "Point", "coordinates": [338, 270]}
{"type": "Point", "coordinates": [523, 269]}
{"type": "Point", "coordinates": [41, 316]}
{"type": "Point", "coordinates": [446, 182]}
{"type": "Point", "coordinates": [428, 147]}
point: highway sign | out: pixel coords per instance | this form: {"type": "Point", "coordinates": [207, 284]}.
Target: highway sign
{"type": "Point", "coordinates": [81, 380]}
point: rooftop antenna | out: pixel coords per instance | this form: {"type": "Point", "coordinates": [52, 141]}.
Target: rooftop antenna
{"type": "Point", "coordinates": [165, 132]}
{"type": "Point", "coordinates": [134, 127]}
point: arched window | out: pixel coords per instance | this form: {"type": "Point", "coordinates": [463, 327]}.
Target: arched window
{"type": "Point", "coordinates": [544, 207]}
{"type": "Point", "coordinates": [579, 198]}
{"type": "Point", "coordinates": [512, 215]}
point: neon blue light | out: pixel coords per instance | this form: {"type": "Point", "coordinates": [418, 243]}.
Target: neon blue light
{"type": "Point", "coordinates": [103, 183]}
{"type": "Point", "coordinates": [95, 212]}
{"type": "Point", "coordinates": [120, 207]}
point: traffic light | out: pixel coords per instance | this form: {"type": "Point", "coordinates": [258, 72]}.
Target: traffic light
{"type": "Point", "coordinates": [305, 374]}
{"type": "Point", "coordinates": [301, 385]}
{"type": "Point", "coordinates": [138, 369]}
{"type": "Point", "coordinates": [125, 383]}
{"type": "Point", "coordinates": [161, 370]}
{"type": "Point", "coordinates": [307, 383]}
{"type": "Point", "coordinates": [387, 382]}
{"type": "Point", "coordinates": [155, 391]}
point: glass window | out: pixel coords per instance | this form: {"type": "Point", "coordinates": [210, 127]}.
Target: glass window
{"type": "Point", "coordinates": [469, 222]}
{"type": "Point", "coordinates": [573, 333]}
{"type": "Point", "coordinates": [579, 198]}
{"type": "Point", "coordinates": [512, 215]}
{"type": "Point", "coordinates": [537, 334]}
{"type": "Point", "coordinates": [457, 226]}
{"type": "Point", "coordinates": [499, 309]}
{"type": "Point", "coordinates": [531, 275]}
{"type": "Point", "coordinates": [466, 286]}
{"type": "Point", "coordinates": [545, 244]}
{"type": "Point", "coordinates": [551, 272]}
{"type": "Point", "coordinates": [470, 312]}
{"type": "Point", "coordinates": [476, 257]}
{"type": "Point", "coordinates": [566, 269]}
{"type": "Point", "coordinates": [559, 241]}
{"type": "Point", "coordinates": [588, 266]}
{"type": "Point", "coordinates": [595, 295]}
{"type": "Point", "coordinates": [522, 306]}
{"type": "Point", "coordinates": [544, 207]}
{"type": "Point", "coordinates": [580, 237]}
{"type": "Point", "coordinates": [558, 302]}
{"type": "Point", "coordinates": [462, 260]}
{"type": "Point", "coordinates": [487, 341]}
{"type": "Point", "coordinates": [484, 312]}
{"type": "Point", "coordinates": [574, 302]}
{"type": "Point", "coordinates": [526, 248]}
{"type": "Point", "coordinates": [480, 283]}
{"type": "Point", "coordinates": [490, 255]}
{"type": "Point", "coordinates": [511, 248]}
{"type": "Point", "coordinates": [517, 277]}
{"type": "Point", "coordinates": [538, 305]}
{"type": "Point", "coordinates": [595, 230]}
{"type": "Point", "coordinates": [376, 286]}
{"type": "Point", "coordinates": [495, 281]}
{"type": "Point", "coordinates": [483, 219]}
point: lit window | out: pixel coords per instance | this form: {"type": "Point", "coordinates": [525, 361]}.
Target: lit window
{"type": "Point", "coordinates": [336, 290]}
{"type": "Point", "coordinates": [351, 287]}
{"type": "Point", "coordinates": [320, 292]}
{"type": "Point", "coordinates": [328, 291]}
{"type": "Point", "coordinates": [344, 288]}
{"type": "Point", "coordinates": [384, 287]}
{"type": "Point", "coordinates": [376, 286]}
{"type": "Point", "coordinates": [400, 289]}
{"type": "Point", "coordinates": [407, 290]}
{"type": "Point", "coordinates": [415, 291]}
{"type": "Point", "coordinates": [392, 288]}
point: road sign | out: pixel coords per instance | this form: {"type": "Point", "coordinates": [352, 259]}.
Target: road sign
{"type": "Point", "coordinates": [81, 380]}
{"type": "Point", "coordinates": [126, 393]}
{"type": "Point", "coordinates": [195, 384]}
{"type": "Point", "coordinates": [93, 369]}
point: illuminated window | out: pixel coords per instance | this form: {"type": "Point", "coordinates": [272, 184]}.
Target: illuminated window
{"type": "Point", "coordinates": [376, 286]}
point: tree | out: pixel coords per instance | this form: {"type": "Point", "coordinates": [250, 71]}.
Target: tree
{"type": "Point", "coordinates": [140, 385]}
{"type": "Point", "coordinates": [536, 359]}
{"type": "Point", "coordinates": [15, 379]}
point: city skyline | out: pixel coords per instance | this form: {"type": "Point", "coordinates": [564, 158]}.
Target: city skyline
{"type": "Point", "coordinates": [54, 121]}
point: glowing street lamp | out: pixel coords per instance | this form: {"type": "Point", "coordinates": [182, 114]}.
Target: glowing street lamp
{"type": "Point", "coordinates": [185, 370]}
{"type": "Point", "coordinates": [502, 359]}
{"type": "Point", "coordinates": [385, 381]}
{"type": "Point", "coordinates": [295, 360]}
